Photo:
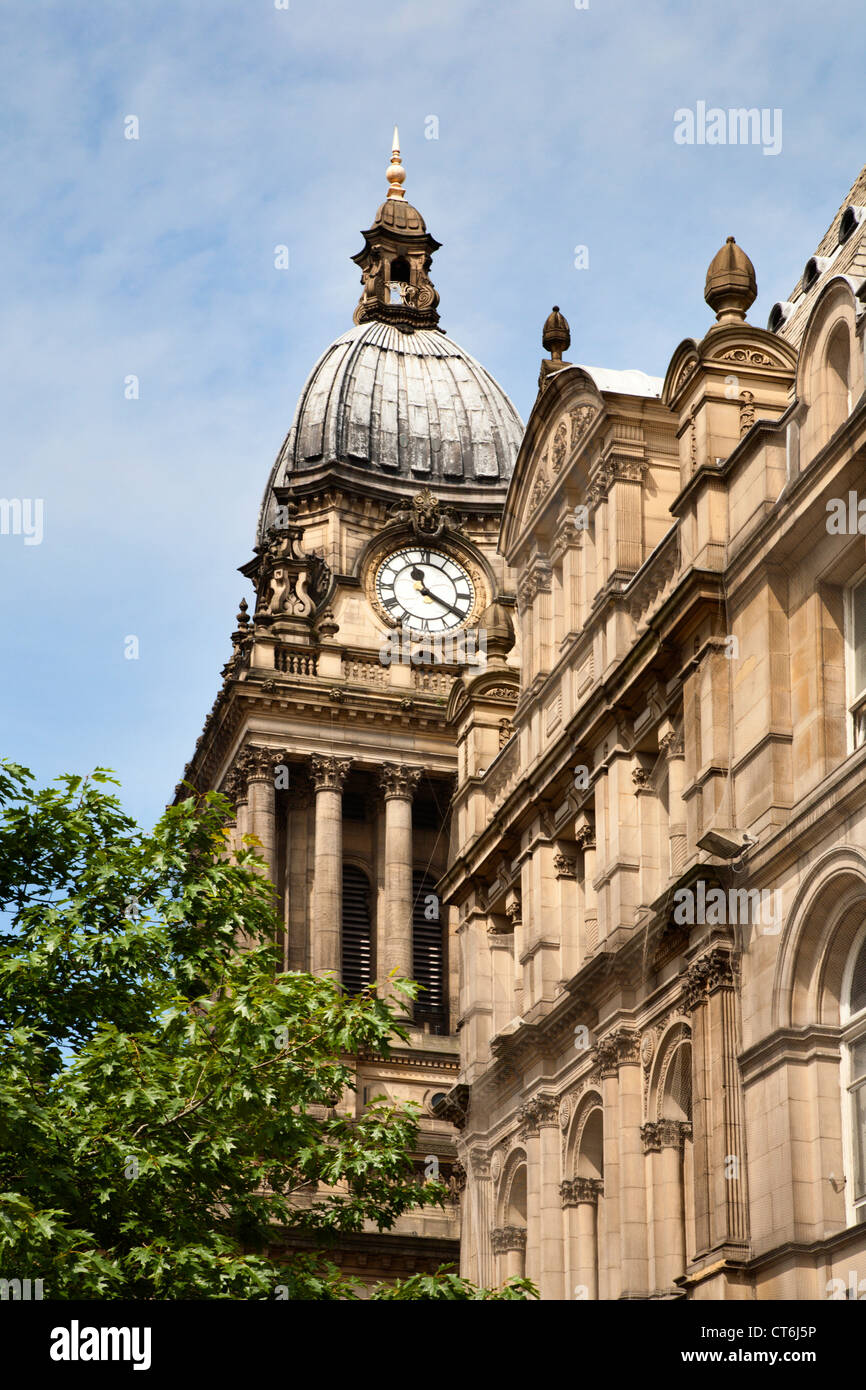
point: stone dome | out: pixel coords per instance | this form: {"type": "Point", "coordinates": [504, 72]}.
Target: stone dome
{"type": "Point", "coordinates": [410, 406]}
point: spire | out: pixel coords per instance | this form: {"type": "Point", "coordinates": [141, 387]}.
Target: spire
{"type": "Point", "coordinates": [396, 260]}
{"type": "Point", "coordinates": [395, 173]}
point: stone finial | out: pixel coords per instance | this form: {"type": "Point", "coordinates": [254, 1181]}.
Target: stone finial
{"type": "Point", "coordinates": [556, 334]}
{"type": "Point", "coordinates": [395, 173]}
{"type": "Point", "coordinates": [731, 285]}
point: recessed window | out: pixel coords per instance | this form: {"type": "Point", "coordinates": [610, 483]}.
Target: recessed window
{"type": "Point", "coordinates": [856, 651]}
{"type": "Point", "coordinates": [854, 1059]}
{"type": "Point", "coordinates": [357, 942]}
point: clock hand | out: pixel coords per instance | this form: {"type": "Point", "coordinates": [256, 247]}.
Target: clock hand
{"type": "Point", "coordinates": [436, 599]}
{"type": "Point", "coordinates": [417, 574]}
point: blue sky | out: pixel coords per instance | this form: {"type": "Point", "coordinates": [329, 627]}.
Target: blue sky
{"type": "Point", "coordinates": [258, 127]}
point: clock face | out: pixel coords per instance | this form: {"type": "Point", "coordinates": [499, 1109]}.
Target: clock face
{"type": "Point", "coordinates": [425, 589]}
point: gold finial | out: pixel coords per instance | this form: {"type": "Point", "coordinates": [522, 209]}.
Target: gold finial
{"type": "Point", "coordinates": [395, 173]}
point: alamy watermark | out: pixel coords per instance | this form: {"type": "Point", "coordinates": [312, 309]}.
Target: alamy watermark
{"type": "Point", "coordinates": [739, 125]}
{"type": "Point", "coordinates": [22, 516]}
{"type": "Point", "coordinates": [714, 907]}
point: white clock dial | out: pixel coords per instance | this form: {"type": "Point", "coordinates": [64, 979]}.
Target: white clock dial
{"type": "Point", "coordinates": [425, 589]}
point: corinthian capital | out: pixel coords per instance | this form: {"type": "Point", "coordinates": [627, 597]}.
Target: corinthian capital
{"type": "Point", "coordinates": [329, 774]}
{"type": "Point", "coordinates": [575, 1191]}
{"type": "Point", "coordinates": [505, 1238]}
{"type": "Point", "coordinates": [256, 764]}
{"type": "Point", "coordinates": [396, 780]}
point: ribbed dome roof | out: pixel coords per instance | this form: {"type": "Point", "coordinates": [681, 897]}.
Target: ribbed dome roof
{"type": "Point", "coordinates": [404, 405]}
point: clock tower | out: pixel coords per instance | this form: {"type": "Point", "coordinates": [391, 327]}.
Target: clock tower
{"type": "Point", "coordinates": [375, 584]}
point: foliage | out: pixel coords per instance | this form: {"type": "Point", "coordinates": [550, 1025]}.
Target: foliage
{"type": "Point", "coordinates": [167, 1101]}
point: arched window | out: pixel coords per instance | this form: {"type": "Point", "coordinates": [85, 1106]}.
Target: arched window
{"type": "Point", "coordinates": [428, 954]}
{"type": "Point", "coordinates": [400, 276]}
{"type": "Point", "coordinates": [357, 943]}
{"type": "Point", "coordinates": [838, 379]}
{"type": "Point", "coordinates": [854, 1075]}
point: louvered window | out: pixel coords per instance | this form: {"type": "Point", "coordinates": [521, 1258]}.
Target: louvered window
{"type": "Point", "coordinates": [428, 955]}
{"type": "Point", "coordinates": [357, 930]}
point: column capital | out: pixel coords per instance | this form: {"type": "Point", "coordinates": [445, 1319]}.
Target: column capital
{"type": "Point", "coordinates": [256, 764]}
{"type": "Point", "coordinates": [564, 866]}
{"type": "Point", "coordinates": [715, 970]}
{"type": "Point", "coordinates": [505, 1238]}
{"type": "Point", "coordinates": [672, 1134]}
{"type": "Point", "coordinates": [329, 774]}
{"type": "Point", "coordinates": [397, 781]}
{"type": "Point", "coordinates": [540, 1113]}
{"type": "Point", "coordinates": [576, 1191]}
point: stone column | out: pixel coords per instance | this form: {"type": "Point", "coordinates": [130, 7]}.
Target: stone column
{"type": "Point", "coordinates": [565, 868]}
{"type": "Point", "coordinates": [398, 783]}
{"type": "Point", "coordinates": [327, 776]}
{"type": "Point", "coordinates": [531, 1142]}
{"type": "Point", "coordinates": [580, 1203]}
{"type": "Point", "coordinates": [547, 1246]}
{"type": "Point", "coordinates": [670, 1222]}
{"type": "Point", "coordinates": [509, 1249]}
{"type": "Point", "coordinates": [610, 1253]}
{"type": "Point", "coordinates": [585, 841]}
{"type": "Point", "coordinates": [259, 768]}
{"type": "Point", "coordinates": [632, 1176]}
{"type": "Point", "coordinates": [671, 744]}
{"type": "Point", "coordinates": [478, 1202]}
{"type": "Point", "coordinates": [721, 1213]}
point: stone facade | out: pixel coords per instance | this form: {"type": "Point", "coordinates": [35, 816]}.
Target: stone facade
{"type": "Point", "coordinates": [642, 819]}
{"type": "Point", "coordinates": [663, 1029]}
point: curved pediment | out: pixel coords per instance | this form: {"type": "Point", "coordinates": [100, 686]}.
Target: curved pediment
{"type": "Point", "coordinates": [726, 347]}
{"type": "Point", "coordinates": [563, 417]}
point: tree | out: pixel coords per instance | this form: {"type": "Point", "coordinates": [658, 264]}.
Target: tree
{"type": "Point", "coordinates": [168, 1102]}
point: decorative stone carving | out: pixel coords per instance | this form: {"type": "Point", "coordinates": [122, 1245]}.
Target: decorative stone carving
{"type": "Point", "coordinates": [747, 412]}
{"type": "Point", "coordinates": [506, 729]}
{"type": "Point", "coordinates": [506, 1238]}
{"type": "Point", "coordinates": [425, 516]}
{"type": "Point", "coordinates": [671, 744]}
{"type": "Point", "coordinates": [329, 774]}
{"type": "Point", "coordinates": [291, 582]}
{"type": "Point", "coordinates": [496, 1165]}
{"type": "Point", "coordinates": [563, 866]}
{"type": "Point", "coordinates": [564, 1113]}
{"type": "Point", "coordinates": [513, 911]}
{"type": "Point", "coordinates": [647, 1047]}
{"type": "Point", "coordinates": [558, 447]}
{"type": "Point", "coordinates": [672, 1134]}
{"type": "Point", "coordinates": [256, 764]}
{"type": "Point", "coordinates": [398, 782]}
{"type": "Point", "coordinates": [540, 490]}
{"type": "Point", "coordinates": [574, 1191]}
{"type": "Point", "coordinates": [627, 1043]}
{"type": "Point", "coordinates": [581, 419]}
{"type": "Point", "coordinates": [641, 778]}
{"type": "Point", "coordinates": [715, 970]}
{"type": "Point", "coordinates": [584, 837]}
